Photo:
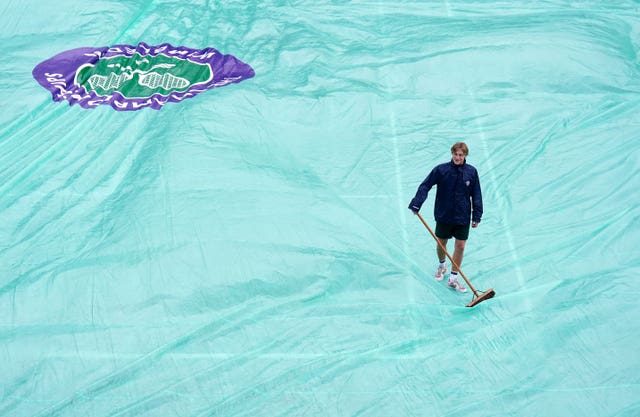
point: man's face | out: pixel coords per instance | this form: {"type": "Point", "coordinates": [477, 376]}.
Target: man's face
{"type": "Point", "coordinates": [458, 157]}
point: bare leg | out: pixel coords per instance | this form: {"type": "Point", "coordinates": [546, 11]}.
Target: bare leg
{"type": "Point", "coordinates": [458, 254]}
{"type": "Point", "coordinates": [440, 252]}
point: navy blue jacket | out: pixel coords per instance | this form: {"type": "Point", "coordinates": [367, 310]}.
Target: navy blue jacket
{"type": "Point", "coordinates": [458, 188]}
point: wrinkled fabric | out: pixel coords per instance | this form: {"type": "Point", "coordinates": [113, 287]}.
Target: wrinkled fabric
{"type": "Point", "coordinates": [249, 252]}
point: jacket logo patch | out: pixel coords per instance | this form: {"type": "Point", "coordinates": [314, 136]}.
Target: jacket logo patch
{"type": "Point", "coordinates": [468, 182]}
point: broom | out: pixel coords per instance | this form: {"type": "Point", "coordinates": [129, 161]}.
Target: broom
{"type": "Point", "coordinates": [477, 297]}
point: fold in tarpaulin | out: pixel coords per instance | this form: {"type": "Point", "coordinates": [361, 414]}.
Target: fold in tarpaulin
{"type": "Point", "coordinates": [250, 252]}
{"type": "Point", "coordinates": [130, 77]}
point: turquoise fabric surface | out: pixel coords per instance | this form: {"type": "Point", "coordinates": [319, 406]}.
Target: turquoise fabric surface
{"type": "Point", "coordinates": [249, 251]}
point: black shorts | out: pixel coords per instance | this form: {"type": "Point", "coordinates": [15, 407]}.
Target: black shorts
{"type": "Point", "coordinates": [447, 231]}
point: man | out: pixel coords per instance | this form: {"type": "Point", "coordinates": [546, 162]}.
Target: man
{"type": "Point", "coordinates": [458, 198]}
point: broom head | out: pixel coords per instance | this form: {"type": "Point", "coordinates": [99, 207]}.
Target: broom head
{"type": "Point", "coordinates": [484, 296]}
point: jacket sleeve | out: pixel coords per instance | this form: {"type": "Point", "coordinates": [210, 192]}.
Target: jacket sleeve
{"type": "Point", "coordinates": [423, 191]}
{"type": "Point", "coordinates": [476, 197]}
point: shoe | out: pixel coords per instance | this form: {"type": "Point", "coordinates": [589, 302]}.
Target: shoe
{"type": "Point", "coordinates": [440, 273]}
{"type": "Point", "coordinates": [453, 283]}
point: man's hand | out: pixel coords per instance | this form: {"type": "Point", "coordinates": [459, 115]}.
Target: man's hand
{"type": "Point", "coordinates": [475, 224]}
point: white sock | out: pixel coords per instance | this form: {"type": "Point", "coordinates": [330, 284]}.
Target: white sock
{"type": "Point", "coordinates": [454, 276]}
{"type": "Point", "coordinates": [442, 264]}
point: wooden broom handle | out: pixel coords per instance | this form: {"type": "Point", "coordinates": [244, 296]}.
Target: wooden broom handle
{"type": "Point", "coordinates": [447, 253]}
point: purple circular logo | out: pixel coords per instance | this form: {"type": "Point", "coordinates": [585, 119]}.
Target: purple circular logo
{"type": "Point", "coordinates": [130, 77]}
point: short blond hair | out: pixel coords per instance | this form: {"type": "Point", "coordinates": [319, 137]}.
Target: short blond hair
{"type": "Point", "coordinates": [460, 146]}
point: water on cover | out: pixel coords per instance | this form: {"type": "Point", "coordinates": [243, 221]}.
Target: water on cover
{"type": "Point", "coordinates": [248, 252]}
